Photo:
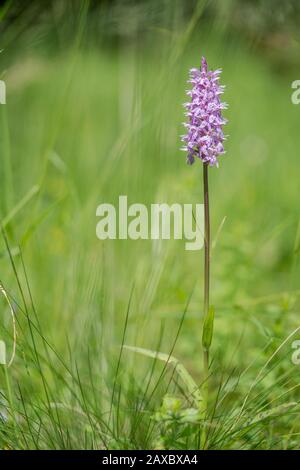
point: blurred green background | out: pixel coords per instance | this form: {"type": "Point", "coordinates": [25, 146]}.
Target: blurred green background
{"type": "Point", "coordinates": [94, 110]}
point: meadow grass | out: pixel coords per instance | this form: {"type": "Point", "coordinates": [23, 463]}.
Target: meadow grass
{"type": "Point", "coordinates": [83, 124]}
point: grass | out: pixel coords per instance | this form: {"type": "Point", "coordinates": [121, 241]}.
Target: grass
{"type": "Point", "coordinates": [83, 124]}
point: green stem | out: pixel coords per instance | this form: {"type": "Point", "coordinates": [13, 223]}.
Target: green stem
{"type": "Point", "coordinates": [206, 239]}
{"type": "Point", "coordinates": [205, 386]}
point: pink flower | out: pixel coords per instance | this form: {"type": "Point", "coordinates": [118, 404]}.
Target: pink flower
{"type": "Point", "coordinates": [204, 138]}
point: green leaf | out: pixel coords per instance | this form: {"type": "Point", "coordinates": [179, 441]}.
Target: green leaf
{"type": "Point", "coordinates": [180, 369]}
{"type": "Point", "coordinates": [208, 328]}
{"type": "Point", "coordinates": [273, 412]}
{"type": "Point", "coordinates": [20, 205]}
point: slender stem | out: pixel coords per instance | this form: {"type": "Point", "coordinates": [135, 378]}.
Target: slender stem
{"type": "Point", "coordinates": [206, 239]}
{"type": "Point", "coordinates": [205, 389]}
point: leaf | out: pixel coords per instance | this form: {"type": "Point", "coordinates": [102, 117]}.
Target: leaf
{"type": "Point", "coordinates": [214, 243]}
{"type": "Point", "coordinates": [21, 204]}
{"type": "Point", "coordinates": [180, 369]}
{"type": "Point", "coordinates": [278, 410]}
{"type": "Point", "coordinates": [208, 328]}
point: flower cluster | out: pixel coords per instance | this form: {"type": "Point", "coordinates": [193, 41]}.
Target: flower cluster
{"type": "Point", "coordinates": [204, 138]}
